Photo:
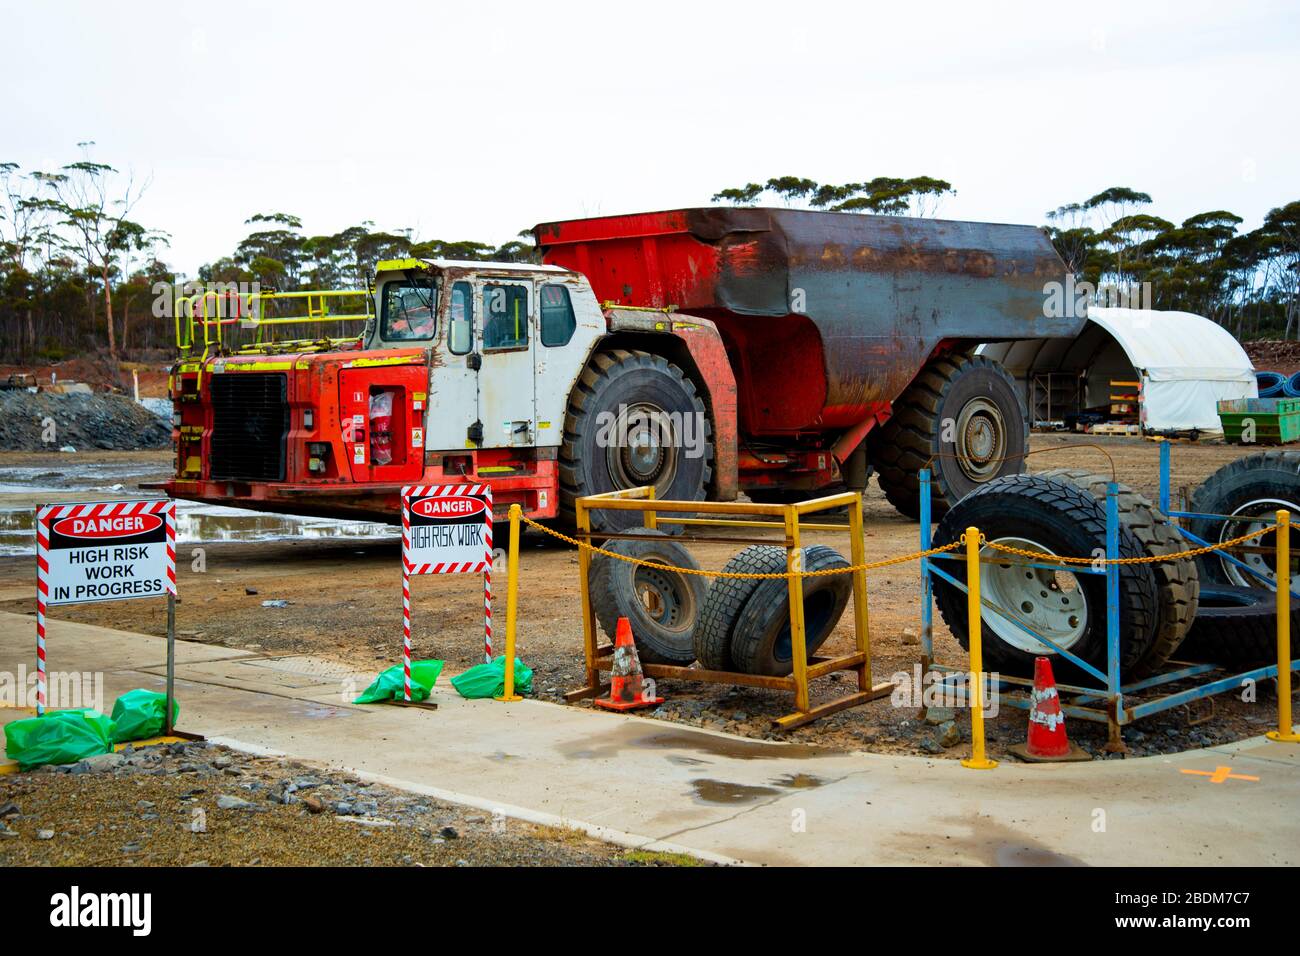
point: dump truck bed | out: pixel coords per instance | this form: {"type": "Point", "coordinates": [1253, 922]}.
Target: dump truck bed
{"type": "Point", "coordinates": [848, 306]}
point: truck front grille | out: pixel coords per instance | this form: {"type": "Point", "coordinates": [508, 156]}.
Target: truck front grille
{"type": "Point", "coordinates": [250, 426]}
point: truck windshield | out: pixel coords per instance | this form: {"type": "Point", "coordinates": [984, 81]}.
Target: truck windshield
{"type": "Point", "coordinates": [410, 310]}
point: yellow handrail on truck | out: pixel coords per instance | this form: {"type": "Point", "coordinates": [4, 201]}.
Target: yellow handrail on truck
{"type": "Point", "coordinates": [213, 309]}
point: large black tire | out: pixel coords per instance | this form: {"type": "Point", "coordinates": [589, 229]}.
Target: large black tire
{"type": "Point", "coordinates": [760, 642]}
{"type": "Point", "coordinates": [1236, 627]}
{"type": "Point", "coordinates": [617, 383]}
{"type": "Point", "coordinates": [988, 438]}
{"type": "Point", "coordinates": [661, 606]}
{"type": "Point", "coordinates": [1065, 520]}
{"type": "Point", "coordinates": [726, 599]}
{"type": "Point", "coordinates": [1257, 484]}
{"type": "Point", "coordinates": [1177, 580]}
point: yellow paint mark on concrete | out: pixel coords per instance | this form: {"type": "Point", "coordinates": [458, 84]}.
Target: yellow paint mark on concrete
{"type": "Point", "coordinates": [1220, 774]}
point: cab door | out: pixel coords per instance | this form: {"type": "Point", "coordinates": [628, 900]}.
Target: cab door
{"type": "Point", "coordinates": [506, 400]}
{"type": "Point", "coordinates": [453, 418]}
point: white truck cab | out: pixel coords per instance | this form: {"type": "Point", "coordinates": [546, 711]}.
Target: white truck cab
{"type": "Point", "coordinates": [506, 342]}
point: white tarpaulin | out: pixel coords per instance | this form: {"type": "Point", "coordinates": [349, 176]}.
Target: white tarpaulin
{"type": "Point", "coordinates": [1185, 363]}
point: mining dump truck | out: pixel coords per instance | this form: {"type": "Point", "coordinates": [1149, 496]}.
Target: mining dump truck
{"type": "Point", "coordinates": [707, 352]}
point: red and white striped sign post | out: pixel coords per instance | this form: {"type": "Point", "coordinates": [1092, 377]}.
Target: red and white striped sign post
{"type": "Point", "coordinates": [446, 529]}
{"type": "Point", "coordinates": [105, 551]}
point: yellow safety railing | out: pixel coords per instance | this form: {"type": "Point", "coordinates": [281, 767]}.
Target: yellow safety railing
{"type": "Point", "coordinates": [972, 541]}
{"type": "Point", "coordinates": [1285, 732]}
{"type": "Point", "coordinates": [209, 312]}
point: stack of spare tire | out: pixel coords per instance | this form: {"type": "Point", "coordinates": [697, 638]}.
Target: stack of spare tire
{"type": "Point", "coordinates": [738, 624]}
{"type": "Point", "coordinates": [1063, 513]}
{"type": "Point", "coordinates": [1194, 609]}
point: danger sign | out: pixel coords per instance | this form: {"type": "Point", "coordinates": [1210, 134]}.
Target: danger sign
{"type": "Point", "coordinates": [447, 529]}
{"type": "Point", "coordinates": [110, 551]}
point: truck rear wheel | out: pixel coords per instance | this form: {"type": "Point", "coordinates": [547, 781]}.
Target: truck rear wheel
{"type": "Point", "coordinates": [962, 417]}
{"type": "Point", "coordinates": [633, 419]}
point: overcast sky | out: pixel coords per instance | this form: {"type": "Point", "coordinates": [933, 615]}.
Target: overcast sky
{"type": "Point", "coordinates": [474, 120]}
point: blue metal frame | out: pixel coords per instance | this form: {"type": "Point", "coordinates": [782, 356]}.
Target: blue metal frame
{"type": "Point", "coordinates": [1112, 690]}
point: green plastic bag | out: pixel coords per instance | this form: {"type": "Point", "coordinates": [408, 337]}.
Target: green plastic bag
{"type": "Point", "coordinates": [61, 736]}
{"type": "Point", "coordinates": [489, 679]}
{"type": "Point", "coordinates": [140, 714]}
{"type": "Point", "coordinates": [391, 684]}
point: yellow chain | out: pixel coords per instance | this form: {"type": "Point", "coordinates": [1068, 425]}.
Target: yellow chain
{"type": "Point", "coordinates": [1149, 559]}
{"type": "Point", "coordinates": [642, 562]}
{"type": "Point", "coordinates": [901, 559]}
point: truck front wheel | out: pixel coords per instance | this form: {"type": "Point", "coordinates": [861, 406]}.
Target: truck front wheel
{"type": "Point", "coordinates": [633, 419]}
{"type": "Point", "coordinates": [962, 418]}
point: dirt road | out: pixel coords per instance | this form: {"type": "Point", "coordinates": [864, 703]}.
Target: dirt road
{"type": "Point", "coordinates": [344, 602]}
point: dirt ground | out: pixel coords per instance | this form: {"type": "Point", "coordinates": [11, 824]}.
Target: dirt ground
{"type": "Point", "coordinates": [200, 805]}
{"type": "Point", "coordinates": [344, 603]}
{"type": "Point", "coordinates": [104, 374]}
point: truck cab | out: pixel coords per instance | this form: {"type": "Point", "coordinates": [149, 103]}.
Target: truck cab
{"type": "Point", "coordinates": [460, 373]}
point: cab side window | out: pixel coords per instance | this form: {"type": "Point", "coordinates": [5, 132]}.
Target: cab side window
{"type": "Point", "coordinates": [460, 335]}
{"type": "Point", "coordinates": [505, 317]}
{"type": "Point", "coordinates": [558, 321]}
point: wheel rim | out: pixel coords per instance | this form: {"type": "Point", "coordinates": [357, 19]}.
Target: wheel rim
{"type": "Point", "coordinates": [1258, 561]}
{"type": "Point", "coordinates": [981, 439]}
{"type": "Point", "coordinates": [644, 448]}
{"type": "Point", "coordinates": [1048, 601]}
{"type": "Point", "coordinates": [664, 596]}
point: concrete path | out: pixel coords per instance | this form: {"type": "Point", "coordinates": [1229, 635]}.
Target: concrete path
{"type": "Point", "coordinates": [651, 783]}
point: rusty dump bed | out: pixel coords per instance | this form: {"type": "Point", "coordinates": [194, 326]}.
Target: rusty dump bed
{"type": "Point", "coordinates": [825, 315]}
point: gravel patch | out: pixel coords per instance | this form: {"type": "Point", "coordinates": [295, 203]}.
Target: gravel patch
{"type": "Point", "coordinates": [196, 804]}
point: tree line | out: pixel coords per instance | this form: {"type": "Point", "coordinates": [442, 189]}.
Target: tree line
{"type": "Point", "coordinates": [1248, 282]}
{"type": "Point", "coordinates": [78, 272]}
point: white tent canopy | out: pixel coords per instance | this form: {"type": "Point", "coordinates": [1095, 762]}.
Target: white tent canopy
{"type": "Point", "coordinates": [1184, 362]}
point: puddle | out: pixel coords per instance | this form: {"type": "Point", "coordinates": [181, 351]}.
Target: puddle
{"type": "Point", "coordinates": [798, 781]}
{"type": "Point", "coordinates": [728, 746]}
{"type": "Point", "coordinates": [1012, 854]}
{"type": "Point", "coordinates": [207, 524]}
{"type": "Point", "coordinates": [721, 791]}
{"type": "Point", "coordinates": [73, 475]}
{"type": "Point", "coordinates": [611, 744]}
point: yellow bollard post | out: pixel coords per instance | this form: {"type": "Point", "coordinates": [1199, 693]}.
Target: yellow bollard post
{"type": "Point", "coordinates": [978, 760]}
{"type": "Point", "coordinates": [512, 604]}
{"type": "Point", "coordinates": [1285, 732]}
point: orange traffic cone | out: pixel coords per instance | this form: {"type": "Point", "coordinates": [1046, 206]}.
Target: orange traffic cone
{"type": "Point", "coordinates": [626, 684]}
{"type": "Point", "coordinates": [1047, 741]}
